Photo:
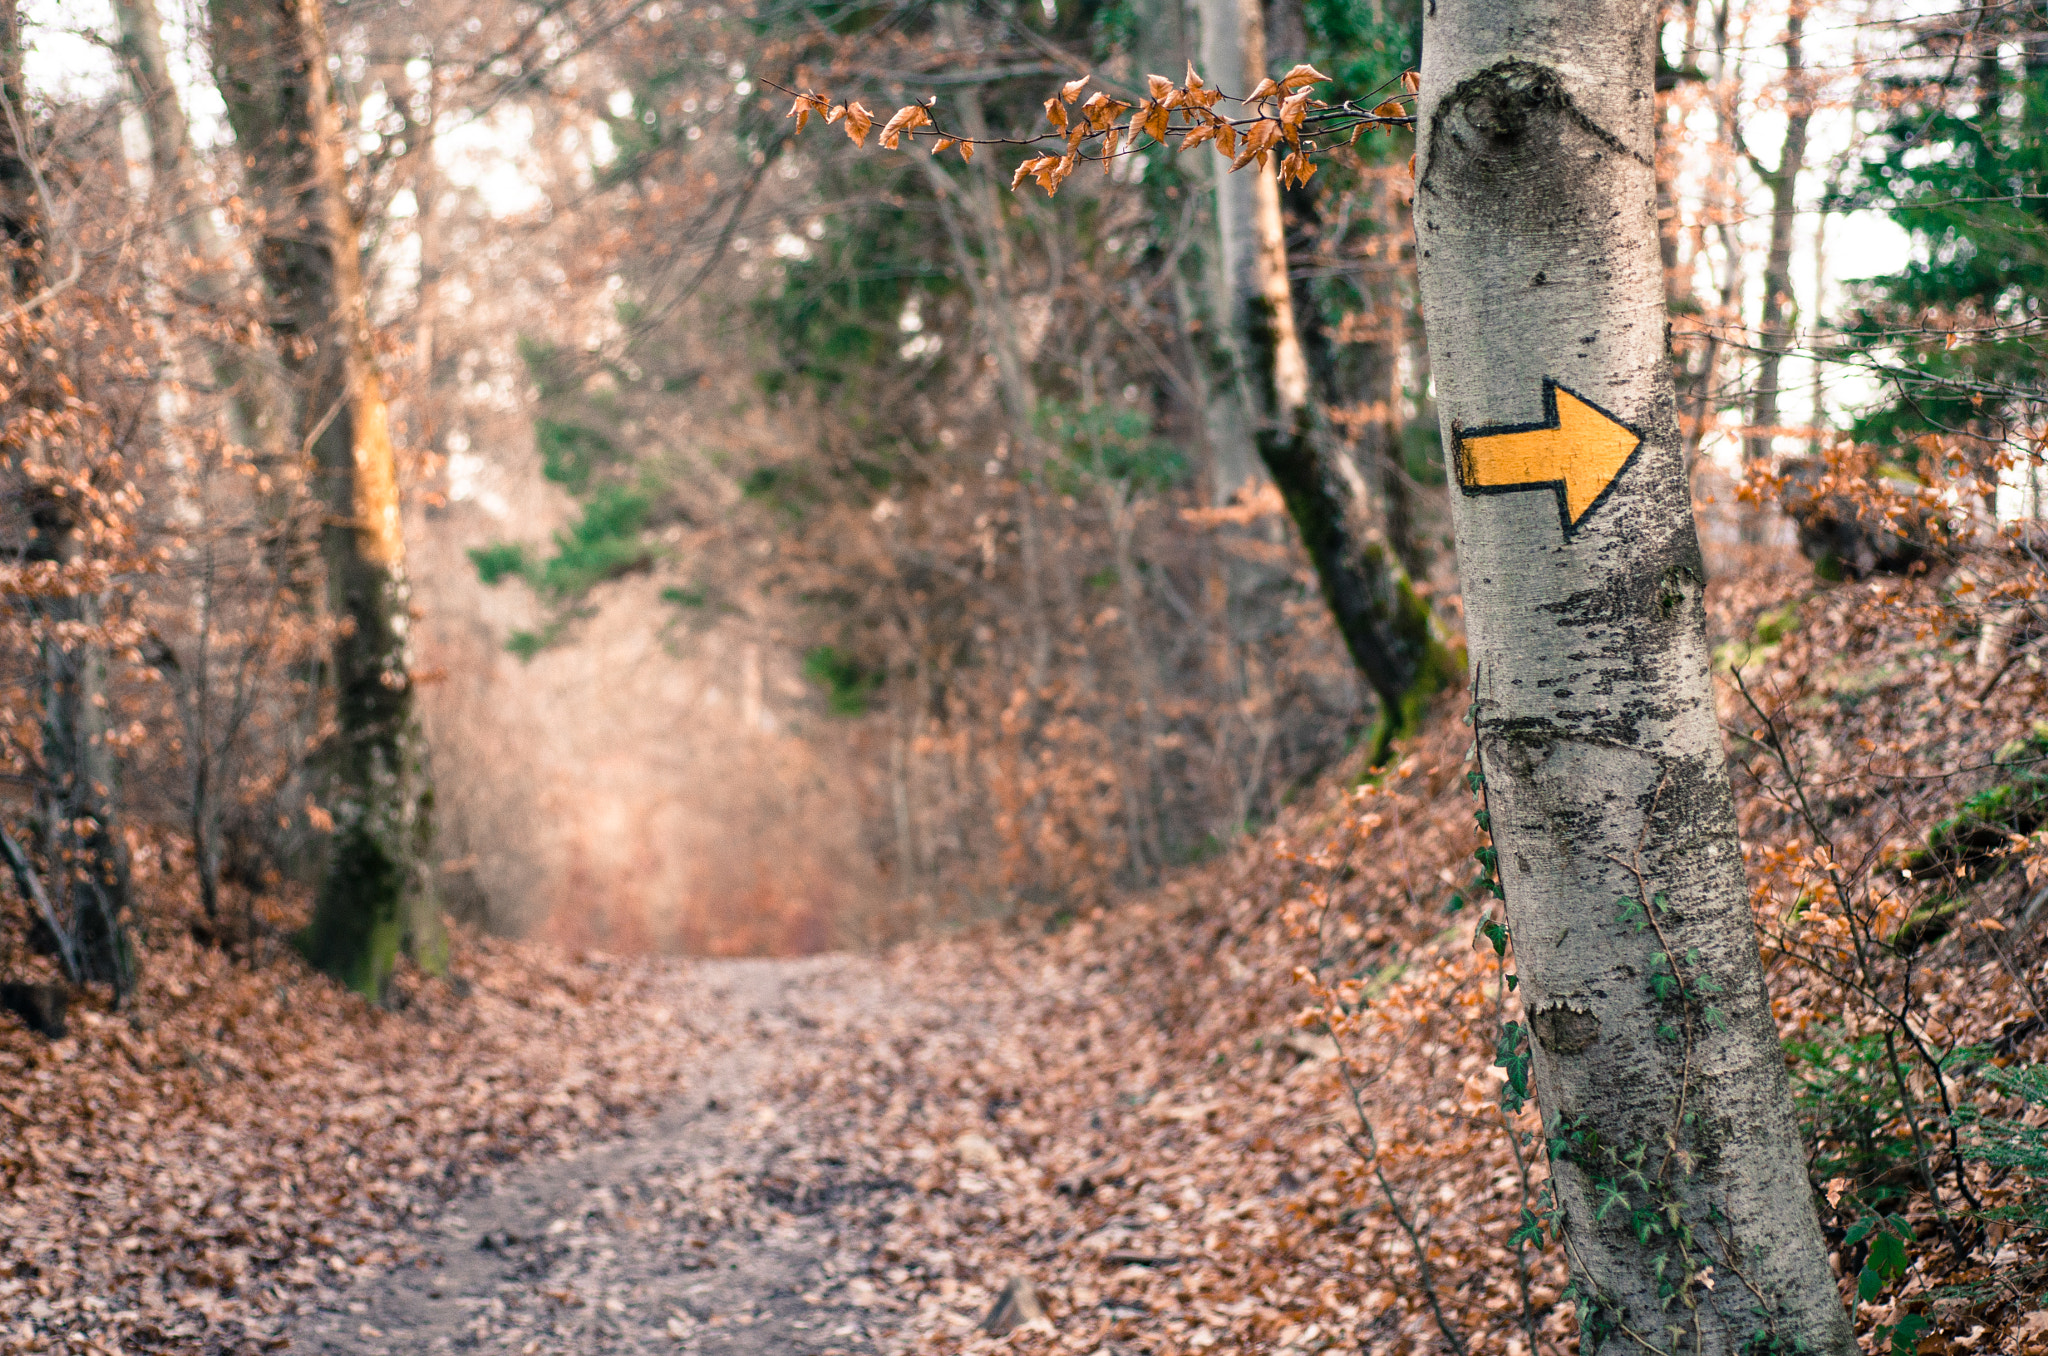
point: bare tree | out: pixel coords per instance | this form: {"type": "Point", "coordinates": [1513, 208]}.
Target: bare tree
{"type": "Point", "coordinates": [86, 896]}
{"type": "Point", "coordinates": [1774, 326]}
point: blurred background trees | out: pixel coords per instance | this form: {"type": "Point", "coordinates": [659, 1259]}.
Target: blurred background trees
{"type": "Point", "coordinates": [802, 543]}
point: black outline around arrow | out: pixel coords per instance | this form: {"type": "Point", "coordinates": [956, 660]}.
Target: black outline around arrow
{"type": "Point", "coordinates": [1551, 386]}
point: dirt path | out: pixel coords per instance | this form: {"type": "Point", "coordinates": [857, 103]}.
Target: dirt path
{"type": "Point", "coordinates": [711, 1229]}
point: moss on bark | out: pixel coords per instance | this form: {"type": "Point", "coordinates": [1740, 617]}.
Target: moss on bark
{"type": "Point", "coordinates": [1387, 626]}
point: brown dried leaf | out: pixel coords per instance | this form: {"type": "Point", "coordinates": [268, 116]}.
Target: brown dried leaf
{"type": "Point", "coordinates": [1298, 167]}
{"type": "Point", "coordinates": [1412, 81]}
{"type": "Point", "coordinates": [1292, 110]}
{"type": "Point", "coordinates": [1102, 110]}
{"type": "Point", "coordinates": [1072, 89]}
{"type": "Point", "coordinates": [1109, 145]}
{"type": "Point", "coordinates": [1055, 112]}
{"type": "Point", "coordinates": [1301, 77]}
{"type": "Point", "coordinates": [858, 121]}
{"type": "Point", "coordinates": [801, 111]}
{"type": "Point", "coordinates": [1266, 89]}
{"type": "Point", "coordinates": [906, 119]}
{"type": "Point", "coordinates": [1155, 122]}
{"type": "Point", "coordinates": [1390, 109]}
{"type": "Point", "coordinates": [1158, 86]}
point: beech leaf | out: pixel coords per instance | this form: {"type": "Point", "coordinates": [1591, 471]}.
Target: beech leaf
{"type": "Point", "coordinates": [906, 119]}
{"type": "Point", "coordinates": [1292, 110]}
{"type": "Point", "coordinates": [858, 121]}
{"type": "Point", "coordinates": [1301, 77]}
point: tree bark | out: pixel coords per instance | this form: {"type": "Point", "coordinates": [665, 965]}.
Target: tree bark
{"type": "Point", "coordinates": [1656, 1059]}
{"type": "Point", "coordinates": [270, 61]}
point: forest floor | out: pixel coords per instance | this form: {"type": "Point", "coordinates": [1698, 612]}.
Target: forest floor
{"type": "Point", "coordinates": [1255, 1108]}
{"type": "Point", "coordinates": [684, 1234]}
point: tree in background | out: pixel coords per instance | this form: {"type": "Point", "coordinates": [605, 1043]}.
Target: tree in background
{"type": "Point", "coordinates": [377, 894]}
{"type": "Point", "coordinates": [69, 490]}
{"type": "Point", "coordinates": [1346, 480]}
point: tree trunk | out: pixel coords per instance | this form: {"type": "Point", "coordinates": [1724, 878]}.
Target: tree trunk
{"type": "Point", "coordinates": [258, 417]}
{"type": "Point", "coordinates": [270, 61]}
{"type": "Point", "coordinates": [255, 416]}
{"type": "Point", "coordinates": [81, 842]}
{"type": "Point", "coordinates": [1656, 1059]}
{"type": "Point", "coordinates": [1774, 326]}
{"type": "Point", "coordinates": [992, 286]}
{"type": "Point", "coordinates": [1386, 626]}
{"type": "Point", "coordinates": [83, 852]}
{"type": "Point", "coordinates": [1236, 409]}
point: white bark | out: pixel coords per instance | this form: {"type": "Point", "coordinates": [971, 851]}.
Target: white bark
{"type": "Point", "coordinates": [1251, 299]}
{"type": "Point", "coordinates": [1233, 278]}
{"type": "Point", "coordinates": [1536, 234]}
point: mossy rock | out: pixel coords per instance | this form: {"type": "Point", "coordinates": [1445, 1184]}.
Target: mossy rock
{"type": "Point", "coordinates": [1925, 925]}
{"type": "Point", "coordinates": [1971, 845]}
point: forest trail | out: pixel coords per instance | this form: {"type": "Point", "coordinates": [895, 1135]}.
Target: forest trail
{"type": "Point", "coordinates": [703, 1230]}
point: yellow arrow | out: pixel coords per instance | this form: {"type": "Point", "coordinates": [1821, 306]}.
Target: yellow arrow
{"type": "Point", "coordinates": [1579, 451]}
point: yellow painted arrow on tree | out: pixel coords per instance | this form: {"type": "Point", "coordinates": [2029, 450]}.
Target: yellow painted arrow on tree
{"type": "Point", "coordinates": [1579, 451]}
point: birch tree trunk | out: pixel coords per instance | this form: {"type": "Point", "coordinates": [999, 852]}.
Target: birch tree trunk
{"type": "Point", "coordinates": [1656, 1060]}
{"type": "Point", "coordinates": [270, 61]}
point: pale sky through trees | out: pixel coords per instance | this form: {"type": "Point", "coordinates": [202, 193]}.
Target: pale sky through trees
{"type": "Point", "coordinates": [491, 155]}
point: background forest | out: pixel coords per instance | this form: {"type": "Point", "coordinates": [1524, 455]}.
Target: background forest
{"type": "Point", "coordinates": [480, 463]}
